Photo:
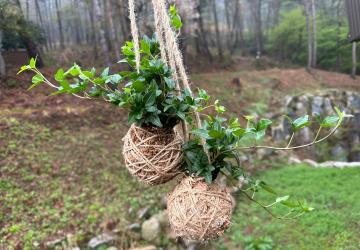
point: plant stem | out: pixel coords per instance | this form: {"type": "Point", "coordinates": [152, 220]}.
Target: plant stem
{"type": "Point", "coordinates": [291, 138]}
{"type": "Point", "coordinates": [315, 141]}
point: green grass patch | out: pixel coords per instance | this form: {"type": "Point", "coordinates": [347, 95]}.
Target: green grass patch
{"type": "Point", "coordinates": [334, 224]}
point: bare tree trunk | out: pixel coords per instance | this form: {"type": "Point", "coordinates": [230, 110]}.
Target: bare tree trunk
{"type": "Point", "coordinates": [256, 6]}
{"type": "Point", "coordinates": [38, 12]}
{"type": "Point", "coordinates": [49, 26]}
{"type": "Point", "coordinates": [217, 31]}
{"type": "Point", "coordinates": [61, 32]}
{"type": "Point", "coordinates": [94, 40]}
{"type": "Point", "coordinates": [202, 45]}
{"type": "Point", "coordinates": [309, 34]}
{"type": "Point", "coordinates": [238, 27]}
{"type": "Point", "coordinates": [112, 31]}
{"type": "Point", "coordinates": [2, 61]}
{"type": "Point", "coordinates": [27, 9]}
{"type": "Point", "coordinates": [338, 30]}
{"type": "Point", "coordinates": [354, 61]}
{"type": "Point", "coordinates": [124, 20]}
{"type": "Point", "coordinates": [276, 6]}
{"type": "Point", "coordinates": [314, 43]}
{"type": "Point", "coordinates": [26, 38]}
{"type": "Point", "coordinates": [78, 23]}
{"type": "Point", "coordinates": [229, 31]}
{"type": "Point", "coordinates": [101, 31]}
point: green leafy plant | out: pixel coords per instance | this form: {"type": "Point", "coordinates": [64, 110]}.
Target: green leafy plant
{"type": "Point", "coordinates": [223, 139]}
{"type": "Point", "coordinates": [150, 95]}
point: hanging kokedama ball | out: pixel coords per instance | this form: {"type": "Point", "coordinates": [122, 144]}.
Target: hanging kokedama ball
{"type": "Point", "coordinates": [198, 210]}
{"type": "Point", "coordinates": [153, 154]}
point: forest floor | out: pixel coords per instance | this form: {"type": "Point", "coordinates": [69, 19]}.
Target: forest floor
{"type": "Point", "coordinates": [62, 172]}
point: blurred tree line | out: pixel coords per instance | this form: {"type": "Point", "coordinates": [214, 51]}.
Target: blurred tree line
{"type": "Point", "coordinates": [300, 32]}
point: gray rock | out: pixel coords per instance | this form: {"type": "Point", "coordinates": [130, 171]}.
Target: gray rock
{"type": "Point", "coordinates": [306, 135]}
{"type": "Point", "coordinates": [340, 152]}
{"type": "Point", "coordinates": [328, 106]}
{"type": "Point", "coordinates": [143, 213]}
{"type": "Point", "coordinates": [162, 218]}
{"type": "Point", "coordinates": [316, 105]}
{"type": "Point", "coordinates": [353, 101]}
{"type": "Point", "coordinates": [135, 227]}
{"type": "Point", "coordinates": [164, 201]}
{"type": "Point", "coordinates": [150, 230]}
{"type": "Point", "coordinates": [54, 243]}
{"type": "Point", "coordinates": [112, 248]}
{"type": "Point", "coordinates": [144, 248]}
{"type": "Point", "coordinates": [102, 239]}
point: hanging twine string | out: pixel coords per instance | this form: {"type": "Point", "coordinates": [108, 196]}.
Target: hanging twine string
{"type": "Point", "coordinates": [134, 33]}
{"type": "Point", "coordinates": [165, 53]}
{"type": "Point", "coordinates": [170, 52]}
{"type": "Point", "coordinates": [159, 32]}
{"type": "Point", "coordinates": [174, 54]}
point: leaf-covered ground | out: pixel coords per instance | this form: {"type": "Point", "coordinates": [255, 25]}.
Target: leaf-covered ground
{"type": "Point", "coordinates": [61, 172]}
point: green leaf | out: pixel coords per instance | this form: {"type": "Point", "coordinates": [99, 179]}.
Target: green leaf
{"type": "Point", "coordinates": [74, 71]}
{"type": "Point", "coordinates": [154, 119]}
{"type": "Point", "coordinates": [263, 124]}
{"type": "Point", "coordinates": [32, 63]}
{"type": "Point", "coordinates": [281, 199]}
{"type": "Point", "coordinates": [203, 95]}
{"type": "Point", "coordinates": [59, 76]}
{"type": "Point", "coordinates": [234, 122]}
{"type": "Point", "coordinates": [145, 47]}
{"type": "Point", "coordinates": [139, 86]}
{"type": "Point", "coordinates": [300, 123]}
{"type": "Point", "coordinates": [105, 72]}
{"type": "Point", "coordinates": [181, 115]}
{"type": "Point", "coordinates": [208, 177]}
{"type": "Point", "coordinates": [216, 134]}
{"type": "Point", "coordinates": [329, 121]}
{"type": "Point", "coordinates": [220, 109]}
{"type": "Point", "coordinates": [23, 68]}
{"type": "Point", "coordinates": [267, 188]}
{"type": "Point", "coordinates": [170, 83]}
{"type": "Point", "coordinates": [36, 80]}
{"type": "Point", "coordinates": [201, 132]}
{"type": "Point", "coordinates": [239, 132]}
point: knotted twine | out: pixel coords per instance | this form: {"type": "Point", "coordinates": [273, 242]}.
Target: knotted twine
{"type": "Point", "coordinates": [153, 154]}
{"type": "Point", "coordinates": [199, 211]}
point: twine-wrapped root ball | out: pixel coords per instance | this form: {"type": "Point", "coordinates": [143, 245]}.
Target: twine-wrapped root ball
{"type": "Point", "coordinates": [153, 154]}
{"type": "Point", "coordinates": [199, 211]}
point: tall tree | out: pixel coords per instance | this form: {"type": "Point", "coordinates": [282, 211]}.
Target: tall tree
{"type": "Point", "coordinates": [59, 20]}
{"type": "Point", "coordinates": [238, 27]}
{"type": "Point", "coordinates": [26, 36]}
{"type": "Point", "coordinates": [314, 33]}
{"type": "Point", "coordinates": [310, 12]}
{"type": "Point", "coordinates": [77, 22]}
{"type": "Point", "coordinates": [338, 33]}
{"type": "Point", "coordinates": [354, 60]}
{"type": "Point", "coordinates": [217, 30]}
{"type": "Point", "coordinates": [256, 6]}
{"type": "Point", "coordinates": [94, 36]}
{"type": "Point", "coordinates": [109, 16]}
{"type": "Point", "coordinates": [309, 33]}
{"type": "Point", "coordinates": [2, 61]}
{"type": "Point", "coordinates": [99, 28]}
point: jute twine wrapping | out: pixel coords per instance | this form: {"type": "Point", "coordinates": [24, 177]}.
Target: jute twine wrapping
{"type": "Point", "coordinates": [153, 154]}
{"type": "Point", "coordinates": [199, 211]}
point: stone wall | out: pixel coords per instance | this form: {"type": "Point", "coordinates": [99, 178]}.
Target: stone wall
{"type": "Point", "coordinates": [344, 145]}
